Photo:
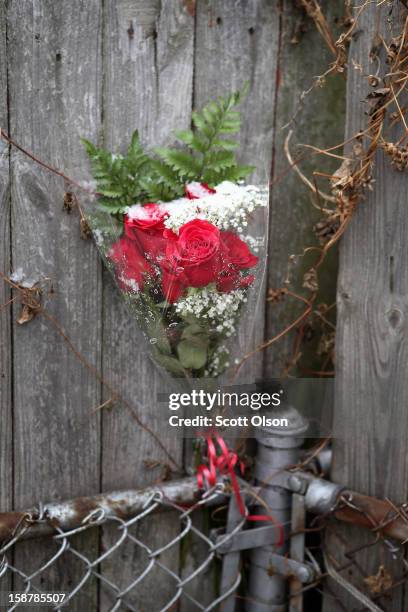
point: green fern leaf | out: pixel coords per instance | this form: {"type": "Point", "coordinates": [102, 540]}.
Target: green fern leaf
{"type": "Point", "coordinates": [182, 161]}
{"type": "Point", "coordinates": [226, 145]}
{"type": "Point", "coordinates": [185, 136]}
{"type": "Point", "coordinates": [207, 156]}
{"type": "Point", "coordinates": [222, 159]}
{"type": "Point", "coordinates": [110, 193]}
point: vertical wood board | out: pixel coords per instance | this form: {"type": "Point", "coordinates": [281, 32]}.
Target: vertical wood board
{"type": "Point", "coordinates": [55, 91]}
{"type": "Point", "coordinates": [6, 431]}
{"type": "Point", "coordinates": [371, 420]}
{"type": "Point", "coordinates": [318, 120]}
{"type": "Point", "coordinates": [148, 63]}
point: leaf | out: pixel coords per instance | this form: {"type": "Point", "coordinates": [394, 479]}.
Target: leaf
{"type": "Point", "coordinates": [26, 314]}
{"type": "Point", "coordinates": [192, 356]}
{"type": "Point", "coordinates": [89, 147]}
{"type": "Point", "coordinates": [111, 206]}
{"type": "Point", "coordinates": [222, 159]}
{"type": "Point", "coordinates": [135, 146]}
{"type": "Point", "coordinates": [182, 161]}
{"type": "Point", "coordinates": [193, 330]}
{"type": "Point", "coordinates": [119, 178]}
{"type": "Point", "coordinates": [171, 364]}
{"type": "Point", "coordinates": [184, 135]}
{"type": "Point", "coordinates": [110, 193]}
{"type": "Point", "coordinates": [229, 127]}
{"type": "Point", "coordinates": [198, 121]}
{"type": "Point", "coordinates": [166, 172]}
{"type": "Point", "coordinates": [227, 145]}
{"type": "Point", "coordinates": [206, 157]}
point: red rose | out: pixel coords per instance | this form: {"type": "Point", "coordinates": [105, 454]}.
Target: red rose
{"type": "Point", "coordinates": [246, 281]}
{"type": "Point", "coordinates": [195, 191]}
{"type": "Point", "coordinates": [130, 264]}
{"type": "Point", "coordinates": [195, 252]}
{"type": "Point", "coordinates": [145, 224]}
{"type": "Point", "coordinates": [230, 279]}
{"type": "Point", "coordinates": [236, 257]}
{"type": "Point", "coordinates": [238, 251]}
{"type": "Point", "coordinates": [148, 217]}
{"type": "Point", "coordinates": [199, 255]}
{"type": "Point", "coordinates": [173, 286]}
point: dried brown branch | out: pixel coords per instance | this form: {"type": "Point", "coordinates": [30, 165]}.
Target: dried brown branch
{"type": "Point", "coordinates": [30, 298]}
{"type": "Point", "coordinates": [67, 179]}
{"type": "Point", "coordinates": [313, 10]}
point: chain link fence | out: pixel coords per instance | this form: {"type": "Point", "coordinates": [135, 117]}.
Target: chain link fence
{"type": "Point", "coordinates": [237, 565]}
{"type": "Point", "coordinates": [63, 522]}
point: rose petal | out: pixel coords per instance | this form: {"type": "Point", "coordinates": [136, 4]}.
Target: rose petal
{"type": "Point", "coordinates": [195, 191]}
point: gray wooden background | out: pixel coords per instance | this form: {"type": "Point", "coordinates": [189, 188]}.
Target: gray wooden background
{"type": "Point", "coordinates": [100, 68]}
{"type": "Point", "coordinates": [370, 414]}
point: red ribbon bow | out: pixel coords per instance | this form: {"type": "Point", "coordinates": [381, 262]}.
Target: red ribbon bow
{"type": "Point", "coordinates": [225, 464]}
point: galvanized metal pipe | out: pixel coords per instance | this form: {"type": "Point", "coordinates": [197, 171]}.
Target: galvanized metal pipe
{"type": "Point", "coordinates": [278, 449]}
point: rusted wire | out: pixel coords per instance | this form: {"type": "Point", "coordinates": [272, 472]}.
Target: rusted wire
{"type": "Point", "coordinates": [30, 298]}
{"type": "Point", "coordinates": [124, 514]}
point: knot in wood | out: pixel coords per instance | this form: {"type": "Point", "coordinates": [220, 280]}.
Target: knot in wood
{"type": "Point", "coordinates": [395, 317]}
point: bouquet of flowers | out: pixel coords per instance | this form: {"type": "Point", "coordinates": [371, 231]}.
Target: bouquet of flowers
{"type": "Point", "coordinates": [174, 227]}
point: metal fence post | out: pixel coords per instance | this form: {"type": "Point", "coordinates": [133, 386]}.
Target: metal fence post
{"type": "Point", "coordinates": [278, 448]}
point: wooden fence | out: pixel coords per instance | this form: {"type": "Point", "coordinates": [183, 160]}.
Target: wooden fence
{"type": "Point", "coordinates": [99, 69]}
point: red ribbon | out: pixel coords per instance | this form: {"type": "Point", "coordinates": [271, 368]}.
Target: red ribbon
{"type": "Point", "coordinates": [225, 464]}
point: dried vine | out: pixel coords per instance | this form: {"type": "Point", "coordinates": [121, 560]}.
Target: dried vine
{"type": "Point", "coordinates": [347, 188]}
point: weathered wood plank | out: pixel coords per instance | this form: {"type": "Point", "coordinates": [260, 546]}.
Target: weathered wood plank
{"type": "Point", "coordinates": [6, 408]}
{"type": "Point", "coordinates": [55, 92]}
{"type": "Point", "coordinates": [320, 122]}
{"type": "Point", "coordinates": [6, 469]}
{"type": "Point", "coordinates": [149, 70]}
{"type": "Point", "coordinates": [6, 431]}
{"type": "Point", "coordinates": [371, 420]}
{"type": "Point", "coordinates": [237, 42]}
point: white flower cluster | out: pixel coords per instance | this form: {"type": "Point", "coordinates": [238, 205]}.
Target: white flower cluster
{"type": "Point", "coordinates": [218, 362]}
{"type": "Point", "coordinates": [254, 242]}
{"type": "Point", "coordinates": [218, 310]}
{"type": "Point", "coordinates": [227, 209]}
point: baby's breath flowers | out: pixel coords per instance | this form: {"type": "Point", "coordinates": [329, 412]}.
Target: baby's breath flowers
{"type": "Point", "coordinates": [183, 237]}
{"type": "Point", "coordinates": [227, 208]}
{"type": "Point", "coordinates": [218, 311]}
{"type": "Point", "coordinates": [219, 362]}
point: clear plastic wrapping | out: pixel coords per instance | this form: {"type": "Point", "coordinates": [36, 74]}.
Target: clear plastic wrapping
{"type": "Point", "coordinates": [188, 270]}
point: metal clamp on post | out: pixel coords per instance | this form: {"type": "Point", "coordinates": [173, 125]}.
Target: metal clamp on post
{"type": "Point", "coordinates": [320, 495]}
{"type": "Point", "coordinates": [278, 449]}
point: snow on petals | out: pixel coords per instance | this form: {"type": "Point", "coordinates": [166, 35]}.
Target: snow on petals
{"type": "Point", "coordinates": [195, 191]}
{"type": "Point", "coordinates": [228, 208]}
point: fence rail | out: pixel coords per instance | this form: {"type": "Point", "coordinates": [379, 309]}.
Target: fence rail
{"type": "Point", "coordinates": [288, 572]}
{"type": "Point", "coordinates": [124, 512]}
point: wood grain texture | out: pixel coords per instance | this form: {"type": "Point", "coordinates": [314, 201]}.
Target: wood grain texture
{"type": "Point", "coordinates": [6, 355]}
{"type": "Point", "coordinates": [6, 432]}
{"type": "Point", "coordinates": [371, 420]}
{"type": "Point", "coordinates": [55, 92]}
{"type": "Point", "coordinates": [237, 42]}
{"type": "Point", "coordinates": [319, 120]}
{"type": "Point", "coordinates": [148, 60]}
{"type": "Point", "coordinates": [6, 415]}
